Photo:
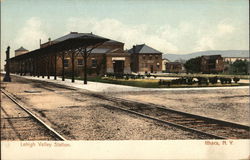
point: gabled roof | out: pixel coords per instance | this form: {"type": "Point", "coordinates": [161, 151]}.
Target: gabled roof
{"type": "Point", "coordinates": [21, 49]}
{"type": "Point", "coordinates": [211, 56]}
{"type": "Point", "coordinates": [100, 50]}
{"type": "Point", "coordinates": [106, 50]}
{"type": "Point", "coordinates": [143, 48]}
{"type": "Point", "coordinates": [72, 35]}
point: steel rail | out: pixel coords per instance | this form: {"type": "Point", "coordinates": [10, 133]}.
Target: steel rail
{"type": "Point", "coordinates": [56, 134]}
{"type": "Point", "coordinates": [116, 100]}
{"type": "Point", "coordinates": [210, 121]}
{"type": "Point", "coordinates": [226, 123]}
{"type": "Point", "coordinates": [168, 123]}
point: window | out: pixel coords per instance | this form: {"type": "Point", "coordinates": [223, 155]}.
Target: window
{"type": "Point", "coordinates": [156, 57]}
{"type": "Point", "coordinates": [150, 57]}
{"type": "Point", "coordinates": [66, 63]}
{"type": "Point", "coordinates": [79, 62]}
{"type": "Point", "coordinates": [143, 57]}
{"type": "Point", "coordinates": [94, 63]}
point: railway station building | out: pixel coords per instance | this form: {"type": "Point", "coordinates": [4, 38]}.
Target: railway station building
{"type": "Point", "coordinates": [109, 57]}
{"type": "Point", "coordinates": [65, 56]}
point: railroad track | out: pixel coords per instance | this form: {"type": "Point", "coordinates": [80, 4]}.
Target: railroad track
{"type": "Point", "coordinates": [25, 125]}
{"type": "Point", "coordinates": [210, 127]}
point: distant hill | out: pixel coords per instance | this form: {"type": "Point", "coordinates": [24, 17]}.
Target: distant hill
{"type": "Point", "coordinates": [224, 53]}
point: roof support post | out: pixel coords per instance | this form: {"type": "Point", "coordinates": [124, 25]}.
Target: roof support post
{"type": "Point", "coordinates": [37, 71]}
{"type": "Point", "coordinates": [63, 66]}
{"type": "Point", "coordinates": [30, 67]}
{"type": "Point", "coordinates": [85, 65]}
{"type": "Point", "coordinates": [24, 68]}
{"type": "Point", "coordinates": [42, 68]}
{"type": "Point", "coordinates": [40, 71]}
{"type": "Point", "coordinates": [55, 60]}
{"type": "Point", "coordinates": [21, 68]}
{"type": "Point", "coordinates": [72, 66]}
{"type": "Point", "coordinates": [48, 67]}
{"type": "Point", "coordinates": [34, 67]}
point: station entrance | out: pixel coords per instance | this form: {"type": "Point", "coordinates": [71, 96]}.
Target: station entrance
{"type": "Point", "coordinates": [118, 66]}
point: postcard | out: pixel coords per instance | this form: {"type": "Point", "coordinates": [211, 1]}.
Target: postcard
{"type": "Point", "coordinates": [125, 79]}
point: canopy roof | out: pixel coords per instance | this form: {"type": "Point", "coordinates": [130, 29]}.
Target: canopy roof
{"type": "Point", "coordinates": [65, 45]}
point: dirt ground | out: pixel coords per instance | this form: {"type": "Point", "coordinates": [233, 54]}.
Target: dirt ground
{"type": "Point", "coordinates": [227, 104]}
{"type": "Point", "coordinates": [78, 116]}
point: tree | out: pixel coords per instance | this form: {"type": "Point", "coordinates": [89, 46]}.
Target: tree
{"type": "Point", "coordinates": [239, 67]}
{"type": "Point", "coordinates": [193, 65]}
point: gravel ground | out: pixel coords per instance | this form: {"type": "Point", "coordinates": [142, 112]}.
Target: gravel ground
{"type": "Point", "coordinates": [80, 117]}
{"type": "Point", "coordinates": [230, 104]}
{"type": "Point", "coordinates": [16, 124]}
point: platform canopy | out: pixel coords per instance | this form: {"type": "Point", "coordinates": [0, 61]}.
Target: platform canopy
{"type": "Point", "coordinates": [83, 40]}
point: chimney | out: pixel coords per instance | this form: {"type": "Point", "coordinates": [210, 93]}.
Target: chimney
{"type": "Point", "coordinates": [133, 48]}
{"type": "Point", "coordinates": [40, 42]}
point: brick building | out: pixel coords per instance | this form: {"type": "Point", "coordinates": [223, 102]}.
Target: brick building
{"type": "Point", "coordinates": [212, 64]}
{"type": "Point", "coordinates": [145, 59]}
{"type": "Point", "coordinates": [106, 57]}
{"type": "Point", "coordinates": [109, 57]}
{"type": "Point", "coordinates": [174, 67]}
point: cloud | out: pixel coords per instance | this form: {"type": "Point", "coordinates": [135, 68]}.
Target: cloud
{"type": "Point", "coordinates": [28, 36]}
{"type": "Point", "coordinates": [129, 34]}
{"type": "Point", "coordinates": [216, 37]}
{"type": "Point", "coordinates": [184, 37]}
{"type": "Point", "coordinates": [225, 29]}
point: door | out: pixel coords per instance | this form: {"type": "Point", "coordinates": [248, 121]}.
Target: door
{"type": "Point", "coordinates": [118, 66]}
{"type": "Point", "coordinates": [151, 68]}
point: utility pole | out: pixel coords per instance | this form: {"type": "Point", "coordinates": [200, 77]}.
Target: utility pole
{"type": "Point", "coordinates": [7, 67]}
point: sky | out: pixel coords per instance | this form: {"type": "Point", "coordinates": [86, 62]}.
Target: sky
{"type": "Point", "coordinates": [170, 26]}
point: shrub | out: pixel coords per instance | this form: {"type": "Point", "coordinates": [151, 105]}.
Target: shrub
{"type": "Point", "coordinates": [236, 79]}
{"type": "Point", "coordinates": [202, 80]}
{"type": "Point", "coordinates": [213, 80]}
{"type": "Point", "coordinates": [225, 80]}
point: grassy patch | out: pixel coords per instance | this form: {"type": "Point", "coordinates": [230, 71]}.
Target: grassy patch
{"type": "Point", "coordinates": [152, 83]}
{"type": "Point", "coordinates": [204, 75]}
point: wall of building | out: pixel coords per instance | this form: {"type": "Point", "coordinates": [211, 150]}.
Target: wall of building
{"type": "Point", "coordinates": [111, 57]}
{"type": "Point", "coordinates": [95, 65]}
{"type": "Point", "coordinates": [231, 60]}
{"type": "Point", "coordinates": [164, 63]}
{"type": "Point", "coordinates": [146, 61]}
{"type": "Point", "coordinates": [17, 53]}
{"type": "Point", "coordinates": [174, 67]}
{"type": "Point", "coordinates": [212, 65]}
